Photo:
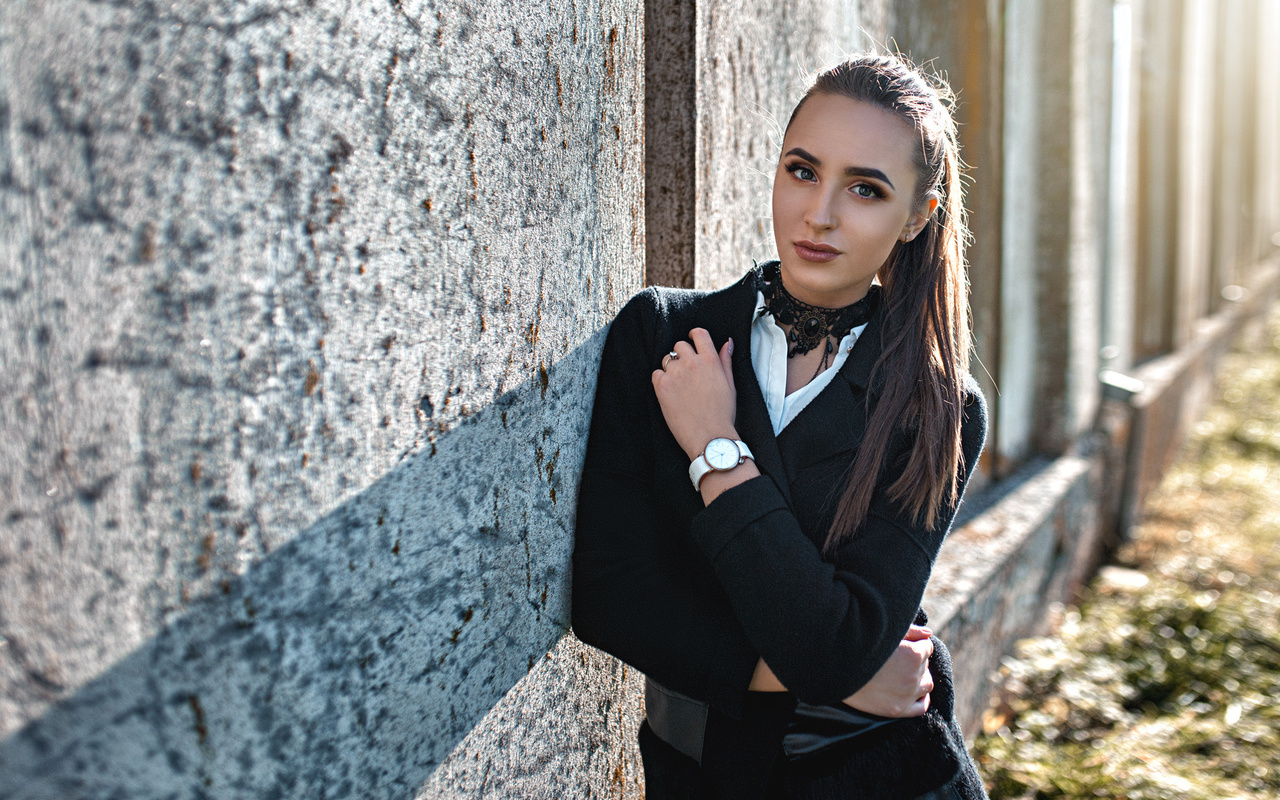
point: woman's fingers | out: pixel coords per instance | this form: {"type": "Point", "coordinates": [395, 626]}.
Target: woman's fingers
{"type": "Point", "coordinates": [902, 685]}
{"type": "Point", "coordinates": [917, 653]}
{"type": "Point", "coordinates": [684, 349]}
{"type": "Point", "coordinates": [700, 344]}
{"type": "Point", "coordinates": [917, 632]}
{"type": "Point", "coordinates": [924, 647]}
{"type": "Point", "coordinates": [726, 362]}
{"type": "Point", "coordinates": [696, 392]}
{"type": "Point", "coordinates": [921, 705]}
{"type": "Point", "coordinates": [703, 345]}
{"type": "Point", "coordinates": [702, 341]}
{"type": "Point", "coordinates": [923, 687]}
{"type": "Point", "coordinates": [687, 351]}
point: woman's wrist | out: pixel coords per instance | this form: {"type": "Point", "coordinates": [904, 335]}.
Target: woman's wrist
{"type": "Point", "coordinates": [698, 445]}
{"type": "Point", "coordinates": [716, 483]}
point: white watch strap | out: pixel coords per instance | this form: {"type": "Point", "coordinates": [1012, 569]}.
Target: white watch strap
{"type": "Point", "coordinates": [700, 466]}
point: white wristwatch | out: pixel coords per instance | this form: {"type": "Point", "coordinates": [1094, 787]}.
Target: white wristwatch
{"type": "Point", "coordinates": [719, 455]}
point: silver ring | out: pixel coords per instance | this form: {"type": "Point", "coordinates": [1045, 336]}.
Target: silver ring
{"type": "Point", "coordinates": [672, 356]}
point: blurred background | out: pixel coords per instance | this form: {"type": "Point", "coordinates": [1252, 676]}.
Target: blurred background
{"type": "Point", "coordinates": [301, 303]}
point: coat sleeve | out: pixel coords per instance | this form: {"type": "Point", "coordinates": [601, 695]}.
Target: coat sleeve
{"type": "Point", "coordinates": [626, 600]}
{"type": "Point", "coordinates": [825, 628]}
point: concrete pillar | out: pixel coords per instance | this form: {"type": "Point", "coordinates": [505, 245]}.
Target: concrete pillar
{"type": "Point", "coordinates": [1238, 159]}
{"type": "Point", "coordinates": [1195, 153]}
{"type": "Point", "coordinates": [1122, 190]}
{"type": "Point", "coordinates": [300, 309]}
{"type": "Point", "coordinates": [721, 78]}
{"type": "Point", "coordinates": [1241, 19]}
{"type": "Point", "coordinates": [1025, 180]}
{"type": "Point", "coordinates": [1266, 243]}
{"type": "Point", "coordinates": [670, 135]}
{"type": "Point", "coordinates": [1056, 142]}
{"type": "Point", "coordinates": [752, 66]}
{"type": "Point", "coordinates": [1159, 32]}
{"type": "Point", "coordinates": [1243, 65]}
{"type": "Point", "coordinates": [1091, 84]}
{"type": "Point", "coordinates": [1057, 67]}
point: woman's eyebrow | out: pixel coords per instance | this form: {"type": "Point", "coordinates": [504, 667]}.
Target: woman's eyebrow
{"type": "Point", "coordinates": [853, 172]}
{"type": "Point", "coordinates": [869, 172]}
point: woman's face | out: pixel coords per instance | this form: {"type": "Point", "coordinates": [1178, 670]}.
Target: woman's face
{"type": "Point", "coordinates": [842, 198]}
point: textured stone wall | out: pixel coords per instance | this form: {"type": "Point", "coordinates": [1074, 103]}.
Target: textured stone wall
{"type": "Point", "coordinates": [300, 304]}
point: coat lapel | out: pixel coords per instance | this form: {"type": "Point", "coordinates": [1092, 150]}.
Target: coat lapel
{"type": "Point", "coordinates": [753, 415]}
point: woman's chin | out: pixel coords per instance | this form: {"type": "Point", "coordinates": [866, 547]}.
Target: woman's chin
{"type": "Point", "coordinates": [816, 285]}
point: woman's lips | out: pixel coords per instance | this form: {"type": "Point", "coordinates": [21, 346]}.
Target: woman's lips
{"type": "Point", "coordinates": [815, 251]}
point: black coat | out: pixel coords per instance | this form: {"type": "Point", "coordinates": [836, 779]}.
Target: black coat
{"type": "Point", "coordinates": [693, 596]}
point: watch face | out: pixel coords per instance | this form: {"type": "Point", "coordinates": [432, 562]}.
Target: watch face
{"type": "Point", "coordinates": [722, 453]}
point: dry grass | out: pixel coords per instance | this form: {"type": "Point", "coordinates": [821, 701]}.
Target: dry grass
{"type": "Point", "coordinates": [1168, 689]}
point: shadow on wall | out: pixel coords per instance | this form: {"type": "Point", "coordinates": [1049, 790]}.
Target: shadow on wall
{"type": "Point", "coordinates": [352, 660]}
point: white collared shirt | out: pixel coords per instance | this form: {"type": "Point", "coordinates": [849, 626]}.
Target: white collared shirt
{"type": "Point", "coordinates": [769, 359]}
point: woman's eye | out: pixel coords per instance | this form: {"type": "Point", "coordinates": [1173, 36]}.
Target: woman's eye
{"type": "Point", "coordinates": [801, 171]}
{"type": "Point", "coordinates": [866, 190]}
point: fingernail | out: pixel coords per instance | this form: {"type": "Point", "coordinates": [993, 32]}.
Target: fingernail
{"type": "Point", "coordinates": [730, 345]}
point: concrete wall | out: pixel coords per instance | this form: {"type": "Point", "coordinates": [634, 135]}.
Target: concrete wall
{"type": "Point", "coordinates": [300, 305]}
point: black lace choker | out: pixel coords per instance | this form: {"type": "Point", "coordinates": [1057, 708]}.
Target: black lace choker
{"type": "Point", "coordinates": [812, 325]}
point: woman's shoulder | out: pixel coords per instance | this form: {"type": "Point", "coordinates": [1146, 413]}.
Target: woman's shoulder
{"type": "Point", "coordinates": [973, 422]}
{"type": "Point", "coordinates": [653, 302]}
{"type": "Point", "coordinates": [681, 306]}
{"type": "Point", "coordinates": [973, 396]}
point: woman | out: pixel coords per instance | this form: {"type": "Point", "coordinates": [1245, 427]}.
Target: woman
{"type": "Point", "coordinates": [772, 468]}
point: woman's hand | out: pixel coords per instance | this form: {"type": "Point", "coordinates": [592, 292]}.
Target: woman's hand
{"type": "Point", "coordinates": [695, 390]}
{"type": "Point", "coordinates": [901, 687]}
{"type": "Point", "coordinates": [699, 403]}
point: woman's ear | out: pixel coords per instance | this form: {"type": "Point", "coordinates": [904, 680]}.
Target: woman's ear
{"type": "Point", "coordinates": [922, 216]}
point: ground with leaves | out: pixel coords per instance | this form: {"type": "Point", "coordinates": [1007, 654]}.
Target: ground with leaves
{"type": "Point", "coordinates": [1164, 682]}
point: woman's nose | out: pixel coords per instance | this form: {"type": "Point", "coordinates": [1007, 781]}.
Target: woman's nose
{"type": "Point", "coordinates": [821, 211]}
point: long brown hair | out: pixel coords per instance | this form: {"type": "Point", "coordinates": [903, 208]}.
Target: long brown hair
{"type": "Point", "coordinates": [924, 363]}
